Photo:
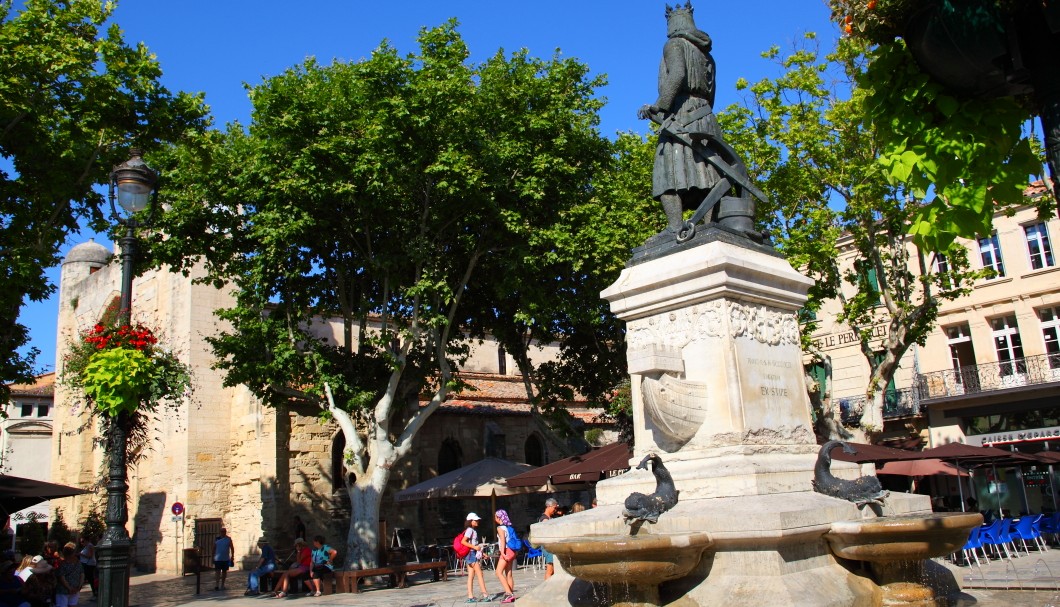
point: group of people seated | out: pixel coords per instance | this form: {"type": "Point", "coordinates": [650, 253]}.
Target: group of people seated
{"type": "Point", "coordinates": [315, 564]}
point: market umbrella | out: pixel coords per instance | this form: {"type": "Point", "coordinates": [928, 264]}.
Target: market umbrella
{"type": "Point", "coordinates": [921, 467]}
{"type": "Point", "coordinates": [484, 478]}
{"type": "Point", "coordinates": [579, 469]}
{"type": "Point", "coordinates": [17, 493]}
{"type": "Point", "coordinates": [971, 456]}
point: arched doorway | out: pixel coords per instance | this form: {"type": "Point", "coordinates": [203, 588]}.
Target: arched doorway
{"type": "Point", "coordinates": [534, 450]}
{"type": "Point", "coordinates": [450, 456]}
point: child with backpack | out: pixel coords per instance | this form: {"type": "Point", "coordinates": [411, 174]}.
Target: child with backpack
{"type": "Point", "coordinates": [510, 545]}
{"type": "Point", "coordinates": [467, 546]}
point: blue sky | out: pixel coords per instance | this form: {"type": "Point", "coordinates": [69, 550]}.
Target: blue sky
{"type": "Point", "coordinates": [218, 46]}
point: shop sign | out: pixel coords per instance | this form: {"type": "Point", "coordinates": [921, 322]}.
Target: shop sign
{"type": "Point", "coordinates": [847, 338]}
{"type": "Point", "coordinates": [1015, 436]}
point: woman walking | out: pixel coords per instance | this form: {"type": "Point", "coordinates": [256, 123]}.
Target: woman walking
{"type": "Point", "coordinates": [506, 562]}
{"type": "Point", "coordinates": [473, 559]}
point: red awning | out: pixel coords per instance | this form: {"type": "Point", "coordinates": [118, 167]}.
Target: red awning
{"type": "Point", "coordinates": [586, 468]}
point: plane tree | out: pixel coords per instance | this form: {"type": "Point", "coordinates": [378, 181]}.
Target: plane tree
{"type": "Point", "coordinates": [809, 138]}
{"type": "Point", "coordinates": [363, 219]}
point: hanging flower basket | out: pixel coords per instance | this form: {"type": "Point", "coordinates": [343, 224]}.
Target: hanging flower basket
{"type": "Point", "coordinates": [968, 47]}
{"type": "Point", "coordinates": [121, 369]}
{"type": "Point", "coordinates": [973, 47]}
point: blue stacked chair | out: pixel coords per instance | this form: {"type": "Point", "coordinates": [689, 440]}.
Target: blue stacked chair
{"type": "Point", "coordinates": [534, 558]}
{"type": "Point", "coordinates": [1051, 525]}
{"type": "Point", "coordinates": [1029, 528]}
{"type": "Point", "coordinates": [974, 543]}
{"type": "Point", "coordinates": [991, 536]}
{"type": "Point", "coordinates": [1008, 534]}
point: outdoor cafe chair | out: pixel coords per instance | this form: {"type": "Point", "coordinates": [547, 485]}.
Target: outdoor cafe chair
{"type": "Point", "coordinates": [1051, 524]}
{"type": "Point", "coordinates": [535, 558]}
{"type": "Point", "coordinates": [490, 552]}
{"type": "Point", "coordinates": [1008, 534]}
{"type": "Point", "coordinates": [991, 536]}
{"type": "Point", "coordinates": [974, 543]}
{"type": "Point", "coordinates": [1025, 530]}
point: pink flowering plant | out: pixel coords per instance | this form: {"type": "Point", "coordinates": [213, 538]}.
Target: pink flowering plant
{"type": "Point", "coordinates": [121, 368]}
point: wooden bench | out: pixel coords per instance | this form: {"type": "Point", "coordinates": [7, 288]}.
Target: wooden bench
{"type": "Point", "coordinates": [329, 584]}
{"type": "Point", "coordinates": [349, 580]}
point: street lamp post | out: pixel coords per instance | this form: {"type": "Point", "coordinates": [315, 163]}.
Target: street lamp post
{"type": "Point", "coordinates": [133, 182]}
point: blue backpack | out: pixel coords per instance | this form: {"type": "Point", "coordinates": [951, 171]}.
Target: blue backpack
{"type": "Point", "coordinates": [513, 540]}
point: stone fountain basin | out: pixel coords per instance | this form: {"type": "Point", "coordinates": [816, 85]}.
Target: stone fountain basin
{"type": "Point", "coordinates": [623, 558]}
{"type": "Point", "coordinates": [902, 538]}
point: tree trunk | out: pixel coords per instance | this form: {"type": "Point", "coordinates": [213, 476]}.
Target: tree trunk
{"type": "Point", "coordinates": [362, 539]}
{"type": "Point", "coordinates": [872, 414]}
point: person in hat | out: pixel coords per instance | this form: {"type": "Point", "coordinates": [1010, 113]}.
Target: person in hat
{"type": "Point", "coordinates": [302, 565]}
{"type": "Point", "coordinates": [473, 560]}
{"type": "Point", "coordinates": [266, 565]}
{"type": "Point", "coordinates": [40, 587]}
{"type": "Point", "coordinates": [506, 561]}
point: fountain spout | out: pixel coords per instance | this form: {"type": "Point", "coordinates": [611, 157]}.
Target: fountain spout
{"type": "Point", "coordinates": [865, 490]}
{"type": "Point", "coordinates": [640, 507]}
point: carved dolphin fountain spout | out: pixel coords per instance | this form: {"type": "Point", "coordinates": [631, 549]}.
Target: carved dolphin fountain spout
{"type": "Point", "coordinates": [640, 507]}
{"type": "Point", "coordinates": [865, 490]}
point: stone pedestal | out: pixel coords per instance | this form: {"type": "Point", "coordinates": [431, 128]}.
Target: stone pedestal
{"type": "Point", "coordinates": [719, 393]}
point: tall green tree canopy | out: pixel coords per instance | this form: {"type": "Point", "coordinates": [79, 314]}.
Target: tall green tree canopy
{"type": "Point", "coordinates": [407, 199]}
{"type": "Point", "coordinates": [965, 156]}
{"type": "Point", "coordinates": [808, 135]}
{"type": "Point", "coordinates": [73, 98]}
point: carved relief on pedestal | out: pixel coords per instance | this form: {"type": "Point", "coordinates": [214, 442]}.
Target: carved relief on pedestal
{"type": "Point", "coordinates": [763, 324]}
{"type": "Point", "coordinates": [677, 328]}
{"type": "Point", "coordinates": [676, 406]}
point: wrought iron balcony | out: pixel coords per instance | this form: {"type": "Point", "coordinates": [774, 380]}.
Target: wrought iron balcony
{"type": "Point", "coordinates": [971, 379]}
{"type": "Point", "coordinates": [896, 403]}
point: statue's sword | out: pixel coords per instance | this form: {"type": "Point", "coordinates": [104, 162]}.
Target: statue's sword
{"type": "Point", "coordinates": [708, 155]}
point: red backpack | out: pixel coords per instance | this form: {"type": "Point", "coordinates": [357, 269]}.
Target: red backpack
{"type": "Point", "coordinates": [458, 545]}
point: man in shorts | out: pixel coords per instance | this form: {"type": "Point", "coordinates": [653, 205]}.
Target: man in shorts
{"type": "Point", "coordinates": [224, 556]}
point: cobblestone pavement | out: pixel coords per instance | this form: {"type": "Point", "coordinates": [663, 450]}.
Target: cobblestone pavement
{"type": "Point", "coordinates": [157, 590]}
{"type": "Point", "coordinates": [1025, 582]}
{"type": "Point", "coordinates": [1034, 571]}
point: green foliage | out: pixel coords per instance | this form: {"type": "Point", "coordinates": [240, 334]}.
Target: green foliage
{"type": "Point", "coordinates": [550, 290]}
{"type": "Point", "coordinates": [73, 96]}
{"type": "Point", "coordinates": [33, 537]}
{"type": "Point", "coordinates": [116, 380]}
{"type": "Point", "coordinates": [93, 526]}
{"type": "Point", "coordinates": [818, 156]}
{"type": "Point", "coordinates": [58, 532]}
{"type": "Point", "coordinates": [122, 369]}
{"type": "Point", "coordinates": [593, 436]}
{"type": "Point", "coordinates": [966, 157]}
{"type": "Point", "coordinates": [413, 201]}
{"type": "Point", "coordinates": [405, 197]}
{"type": "Point", "coordinates": [619, 411]}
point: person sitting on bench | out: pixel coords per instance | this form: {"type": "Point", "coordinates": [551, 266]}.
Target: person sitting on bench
{"type": "Point", "coordinates": [302, 566]}
{"type": "Point", "coordinates": [323, 565]}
